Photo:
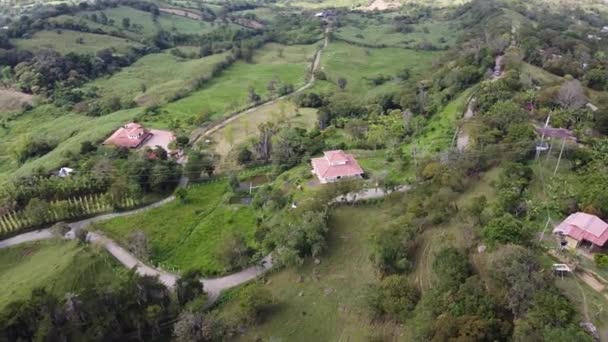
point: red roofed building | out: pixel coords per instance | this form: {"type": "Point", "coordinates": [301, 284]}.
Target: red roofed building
{"type": "Point", "coordinates": [131, 135]}
{"type": "Point", "coordinates": [583, 228]}
{"type": "Point", "coordinates": [335, 165]}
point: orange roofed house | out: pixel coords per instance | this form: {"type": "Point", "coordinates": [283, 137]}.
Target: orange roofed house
{"type": "Point", "coordinates": [131, 135]}
{"type": "Point", "coordinates": [583, 229]}
{"type": "Point", "coordinates": [335, 165]}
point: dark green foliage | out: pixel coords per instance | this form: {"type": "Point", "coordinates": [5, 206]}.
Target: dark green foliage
{"type": "Point", "coordinates": [253, 301]}
{"type": "Point", "coordinates": [394, 298]}
{"type": "Point", "coordinates": [394, 249]}
{"type": "Point", "coordinates": [134, 309]}
{"type": "Point", "coordinates": [189, 287]}
{"type": "Point", "coordinates": [234, 253]}
{"type": "Point", "coordinates": [451, 267]}
{"type": "Point", "coordinates": [506, 229]}
{"type": "Point", "coordinates": [601, 260]}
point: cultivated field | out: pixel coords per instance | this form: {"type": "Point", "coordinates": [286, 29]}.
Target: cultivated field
{"type": "Point", "coordinates": [162, 74]}
{"type": "Point", "coordinates": [246, 127]}
{"type": "Point", "coordinates": [66, 41]}
{"type": "Point", "coordinates": [229, 91]}
{"type": "Point", "coordinates": [185, 236]}
{"type": "Point", "coordinates": [354, 63]}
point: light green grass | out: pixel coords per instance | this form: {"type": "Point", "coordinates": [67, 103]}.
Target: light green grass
{"type": "Point", "coordinates": [66, 19]}
{"type": "Point", "coordinates": [50, 123]}
{"type": "Point", "coordinates": [245, 127]}
{"type": "Point", "coordinates": [164, 21]}
{"type": "Point", "coordinates": [229, 91]}
{"type": "Point", "coordinates": [380, 30]}
{"type": "Point", "coordinates": [65, 42]}
{"type": "Point", "coordinates": [56, 265]}
{"type": "Point", "coordinates": [325, 305]}
{"type": "Point", "coordinates": [184, 236]}
{"type": "Point", "coordinates": [354, 63]}
{"type": "Point", "coordinates": [162, 73]}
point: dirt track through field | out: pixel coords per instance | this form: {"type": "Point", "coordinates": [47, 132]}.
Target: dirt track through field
{"type": "Point", "coordinates": [202, 132]}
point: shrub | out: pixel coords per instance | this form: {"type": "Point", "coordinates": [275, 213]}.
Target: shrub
{"type": "Point", "coordinates": [601, 260]}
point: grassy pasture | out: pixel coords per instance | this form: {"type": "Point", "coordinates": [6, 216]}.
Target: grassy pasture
{"type": "Point", "coordinates": [380, 30]}
{"type": "Point", "coordinates": [65, 128]}
{"type": "Point", "coordinates": [245, 127]}
{"type": "Point", "coordinates": [64, 41]}
{"type": "Point", "coordinates": [67, 19]}
{"type": "Point", "coordinates": [56, 265]}
{"type": "Point", "coordinates": [354, 63]}
{"type": "Point", "coordinates": [188, 235]}
{"type": "Point", "coordinates": [162, 73]}
{"type": "Point", "coordinates": [229, 91]}
{"type": "Point", "coordinates": [164, 21]}
{"type": "Point", "coordinates": [324, 306]}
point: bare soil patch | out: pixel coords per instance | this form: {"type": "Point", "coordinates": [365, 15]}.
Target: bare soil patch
{"type": "Point", "coordinates": [11, 100]}
{"type": "Point", "coordinates": [192, 14]}
{"type": "Point", "coordinates": [380, 5]}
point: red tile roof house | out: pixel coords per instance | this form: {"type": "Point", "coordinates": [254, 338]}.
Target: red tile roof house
{"type": "Point", "coordinates": [583, 229]}
{"type": "Point", "coordinates": [131, 135]}
{"type": "Point", "coordinates": [335, 165]}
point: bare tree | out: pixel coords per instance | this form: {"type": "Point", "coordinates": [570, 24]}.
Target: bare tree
{"type": "Point", "coordinates": [571, 95]}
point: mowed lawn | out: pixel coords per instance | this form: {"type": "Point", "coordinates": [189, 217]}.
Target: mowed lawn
{"type": "Point", "coordinates": [65, 41]}
{"type": "Point", "coordinates": [162, 74]}
{"type": "Point", "coordinates": [185, 236]}
{"type": "Point", "coordinates": [354, 63]}
{"type": "Point", "coordinates": [229, 91]}
{"type": "Point", "coordinates": [325, 305]}
{"type": "Point", "coordinates": [68, 130]}
{"type": "Point", "coordinates": [164, 21]}
{"type": "Point", "coordinates": [246, 126]}
{"type": "Point", "coordinates": [56, 265]}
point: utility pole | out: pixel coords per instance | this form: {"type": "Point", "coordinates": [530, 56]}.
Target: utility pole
{"type": "Point", "coordinates": [542, 137]}
{"type": "Point", "coordinates": [561, 151]}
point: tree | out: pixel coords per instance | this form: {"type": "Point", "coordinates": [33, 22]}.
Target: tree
{"type": "Point", "coordinates": [198, 163]}
{"type": "Point", "coordinates": [518, 276]}
{"type": "Point", "coordinates": [451, 266]}
{"type": "Point", "coordinates": [393, 249]}
{"type": "Point", "coordinates": [194, 327]}
{"type": "Point", "coordinates": [182, 194]}
{"type": "Point", "coordinates": [476, 209]}
{"type": "Point", "coordinates": [244, 156]}
{"type": "Point", "coordinates": [87, 147]}
{"type": "Point", "coordinates": [342, 83]}
{"type": "Point", "coordinates": [81, 235]}
{"type": "Point", "coordinates": [253, 301]}
{"type": "Point", "coordinates": [126, 23]}
{"type": "Point", "coordinates": [394, 298]}
{"type": "Point", "coordinates": [571, 95]}
{"type": "Point", "coordinates": [37, 211]}
{"type": "Point", "coordinates": [506, 229]}
{"type": "Point", "coordinates": [253, 96]}
{"type": "Point", "coordinates": [234, 252]}
{"type": "Point", "coordinates": [189, 287]}
{"type": "Point", "coordinates": [138, 245]}
{"type": "Point", "coordinates": [182, 141]}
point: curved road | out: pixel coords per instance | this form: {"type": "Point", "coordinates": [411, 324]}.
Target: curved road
{"type": "Point", "coordinates": [204, 132]}
{"type": "Point", "coordinates": [213, 286]}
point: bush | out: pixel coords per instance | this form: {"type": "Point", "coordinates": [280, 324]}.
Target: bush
{"type": "Point", "coordinates": [394, 298]}
{"type": "Point", "coordinates": [601, 260]}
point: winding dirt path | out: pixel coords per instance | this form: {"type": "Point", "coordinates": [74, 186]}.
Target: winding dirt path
{"type": "Point", "coordinates": [207, 131]}
{"type": "Point", "coordinates": [213, 286]}
{"type": "Point", "coordinates": [463, 136]}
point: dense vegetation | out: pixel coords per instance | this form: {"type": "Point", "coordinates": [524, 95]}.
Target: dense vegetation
{"type": "Point", "coordinates": [439, 103]}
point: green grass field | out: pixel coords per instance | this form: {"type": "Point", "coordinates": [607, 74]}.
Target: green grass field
{"type": "Point", "coordinates": [164, 21]}
{"type": "Point", "coordinates": [229, 91]}
{"type": "Point", "coordinates": [380, 30]}
{"type": "Point", "coordinates": [56, 125]}
{"type": "Point", "coordinates": [324, 306]}
{"type": "Point", "coordinates": [58, 266]}
{"type": "Point", "coordinates": [64, 41]}
{"type": "Point", "coordinates": [245, 127]}
{"type": "Point", "coordinates": [354, 63]}
{"type": "Point", "coordinates": [188, 235]}
{"type": "Point", "coordinates": [162, 73]}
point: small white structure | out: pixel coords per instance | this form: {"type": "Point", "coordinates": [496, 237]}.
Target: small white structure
{"type": "Point", "coordinates": [64, 172]}
{"type": "Point", "coordinates": [592, 106]}
{"type": "Point", "coordinates": [605, 29]}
